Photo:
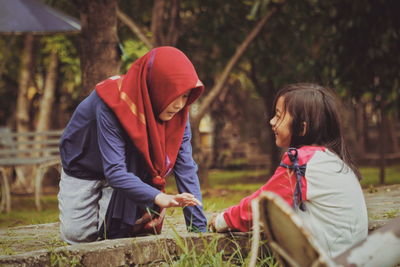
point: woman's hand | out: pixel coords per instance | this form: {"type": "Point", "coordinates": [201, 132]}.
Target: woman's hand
{"type": "Point", "coordinates": [179, 200]}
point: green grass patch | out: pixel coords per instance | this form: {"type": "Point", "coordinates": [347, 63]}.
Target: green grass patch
{"type": "Point", "coordinates": [370, 175]}
{"type": "Point", "coordinates": [24, 212]}
{"type": "Point", "coordinates": [215, 252]}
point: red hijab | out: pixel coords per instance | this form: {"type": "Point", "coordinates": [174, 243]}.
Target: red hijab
{"type": "Point", "coordinates": [138, 97]}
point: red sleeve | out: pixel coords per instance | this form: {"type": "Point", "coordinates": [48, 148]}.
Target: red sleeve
{"type": "Point", "coordinates": [239, 217]}
{"type": "Point", "coordinates": [283, 182]}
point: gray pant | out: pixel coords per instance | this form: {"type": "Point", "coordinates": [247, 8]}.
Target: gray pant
{"type": "Point", "coordinates": [83, 205]}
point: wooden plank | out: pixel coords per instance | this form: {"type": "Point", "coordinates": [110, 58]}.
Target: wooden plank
{"type": "Point", "coordinates": [290, 240]}
{"type": "Point", "coordinates": [15, 162]}
{"type": "Point", "coordinates": [52, 141]}
{"type": "Point", "coordinates": [27, 153]}
{"type": "Point", "coordinates": [31, 134]}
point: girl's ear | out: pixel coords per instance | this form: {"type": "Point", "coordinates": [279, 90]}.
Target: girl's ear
{"type": "Point", "coordinates": [304, 129]}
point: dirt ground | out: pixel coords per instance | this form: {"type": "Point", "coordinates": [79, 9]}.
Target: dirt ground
{"type": "Point", "coordinates": [383, 204]}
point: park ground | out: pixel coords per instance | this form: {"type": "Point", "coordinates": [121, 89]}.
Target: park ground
{"type": "Point", "coordinates": [25, 230]}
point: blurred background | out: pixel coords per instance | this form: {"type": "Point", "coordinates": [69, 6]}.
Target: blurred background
{"type": "Point", "coordinates": [244, 51]}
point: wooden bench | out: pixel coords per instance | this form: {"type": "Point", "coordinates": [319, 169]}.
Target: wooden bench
{"type": "Point", "coordinates": [37, 149]}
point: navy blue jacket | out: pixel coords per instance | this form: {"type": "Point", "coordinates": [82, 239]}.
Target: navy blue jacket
{"type": "Point", "coordinates": [95, 146]}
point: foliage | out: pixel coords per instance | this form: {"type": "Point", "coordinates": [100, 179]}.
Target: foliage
{"type": "Point", "coordinates": [361, 39]}
{"type": "Point", "coordinates": [10, 49]}
{"type": "Point", "coordinates": [341, 44]}
{"type": "Point", "coordinates": [69, 74]}
{"type": "Point", "coordinates": [133, 50]}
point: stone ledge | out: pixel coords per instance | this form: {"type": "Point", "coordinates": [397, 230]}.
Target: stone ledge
{"type": "Point", "coordinates": [130, 251]}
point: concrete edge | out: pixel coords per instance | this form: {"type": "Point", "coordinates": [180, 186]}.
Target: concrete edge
{"type": "Point", "coordinates": [130, 251]}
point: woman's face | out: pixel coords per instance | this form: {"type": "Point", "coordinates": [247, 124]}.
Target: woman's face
{"type": "Point", "coordinates": [174, 107]}
{"type": "Point", "coordinates": [281, 124]}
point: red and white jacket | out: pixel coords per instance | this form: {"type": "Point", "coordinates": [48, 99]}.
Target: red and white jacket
{"type": "Point", "coordinates": [327, 196]}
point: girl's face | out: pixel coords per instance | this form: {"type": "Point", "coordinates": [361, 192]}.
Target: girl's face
{"type": "Point", "coordinates": [281, 124]}
{"type": "Point", "coordinates": [174, 107]}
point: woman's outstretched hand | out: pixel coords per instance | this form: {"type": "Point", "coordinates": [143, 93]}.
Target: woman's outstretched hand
{"type": "Point", "coordinates": [179, 200]}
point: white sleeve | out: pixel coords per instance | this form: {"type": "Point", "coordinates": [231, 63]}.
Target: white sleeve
{"type": "Point", "coordinates": [220, 223]}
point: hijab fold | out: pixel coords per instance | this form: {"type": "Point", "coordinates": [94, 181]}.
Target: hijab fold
{"type": "Point", "coordinates": [138, 97]}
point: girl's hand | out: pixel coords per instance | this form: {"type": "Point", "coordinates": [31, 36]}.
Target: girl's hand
{"type": "Point", "coordinates": [211, 222]}
{"type": "Point", "coordinates": [217, 223]}
{"type": "Point", "coordinates": [179, 200]}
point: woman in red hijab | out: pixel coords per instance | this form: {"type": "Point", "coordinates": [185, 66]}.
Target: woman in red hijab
{"type": "Point", "coordinates": [119, 146]}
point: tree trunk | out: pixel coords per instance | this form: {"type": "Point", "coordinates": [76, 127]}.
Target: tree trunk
{"type": "Point", "coordinates": [274, 150]}
{"type": "Point", "coordinates": [165, 22]}
{"type": "Point", "coordinates": [359, 128]}
{"type": "Point", "coordinates": [382, 146]}
{"type": "Point", "coordinates": [365, 131]}
{"type": "Point", "coordinates": [99, 54]}
{"type": "Point", "coordinates": [201, 158]}
{"type": "Point", "coordinates": [23, 182]}
{"type": "Point", "coordinates": [172, 33]}
{"type": "Point", "coordinates": [47, 99]}
{"type": "Point", "coordinates": [157, 22]}
{"type": "Point", "coordinates": [391, 131]}
{"type": "Point", "coordinates": [267, 90]}
{"type": "Point", "coordinates": [22, 118]}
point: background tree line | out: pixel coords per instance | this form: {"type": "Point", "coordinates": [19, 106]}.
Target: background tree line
{"type": "Point", "coordinates": [244, 52]}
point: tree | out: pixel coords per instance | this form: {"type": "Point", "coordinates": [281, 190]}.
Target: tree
{"type": "Point", "coordinates": [22, 117]}
{"type": "Point", "coordinates": [363, 38]}
{"type": "Point", "coordinates": [99, 52]}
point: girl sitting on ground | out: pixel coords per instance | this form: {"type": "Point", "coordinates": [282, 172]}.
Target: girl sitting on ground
{"type": "Point", "coordinates": [316, 175]}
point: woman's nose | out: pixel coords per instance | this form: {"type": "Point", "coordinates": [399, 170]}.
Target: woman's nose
{"type": "Point", "coordinates": [179, 103]}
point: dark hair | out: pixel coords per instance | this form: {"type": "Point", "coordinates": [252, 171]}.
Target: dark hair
{"type": "Point", "coordinates": [318, 108]}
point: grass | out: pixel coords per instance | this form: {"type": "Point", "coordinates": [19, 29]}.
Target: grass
{"type": "Point", "coordinates": [214, 252]}
{"type": "Point", "coordinates": [371, 175]}
{"type": "Point", "coordinates": [24, 212]}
